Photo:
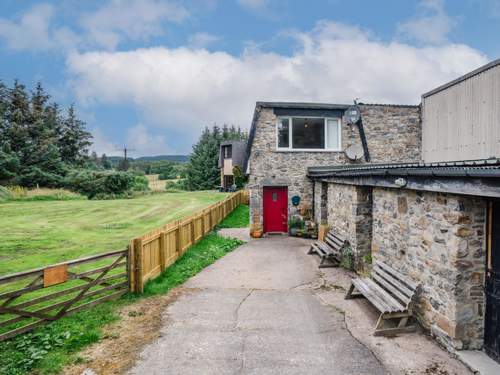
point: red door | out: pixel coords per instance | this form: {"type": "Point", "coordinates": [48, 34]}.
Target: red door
{"type": "Point", "coordinates": [275, 209]}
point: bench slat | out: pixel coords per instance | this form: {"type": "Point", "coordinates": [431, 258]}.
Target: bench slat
{"type": "Point", "coordinates": [318, 249]}
{"type": "Point", "coordinates": [403, 289]}
{"type": "Point", "coordinates": [335, 240]}
{"type": "Point", "coordinates": [394, 304]}
{"type": "Point", "coordinates": [332, 244]}
{"type": "Point", "coordinates": [366, 291]}
{"type": "Point", "coordinates": [385, 285]}
{"type": "Point", "coordinates": [397, 274]}
{"type": "Point", "coordinates": [324, 247]}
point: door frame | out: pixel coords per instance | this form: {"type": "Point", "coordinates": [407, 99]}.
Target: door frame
{"type": "Point", "coordinates": [285, 188]}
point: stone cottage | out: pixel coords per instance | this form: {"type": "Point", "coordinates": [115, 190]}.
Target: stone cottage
{"type": "Point", "coordinates": [286, 138]}
{"type": "Point", "coordinates": [420, 192]}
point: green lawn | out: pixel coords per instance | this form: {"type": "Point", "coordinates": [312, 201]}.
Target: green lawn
{"type": "Point", "coordinates": [39, 233]}
{"type": "Point", "coordinates": [239, 218]}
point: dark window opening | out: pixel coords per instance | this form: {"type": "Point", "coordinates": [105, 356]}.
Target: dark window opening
{"type": "Point", "coordinates": [227, 152]}
{"type": "Point", "coordinates": [308, 133]}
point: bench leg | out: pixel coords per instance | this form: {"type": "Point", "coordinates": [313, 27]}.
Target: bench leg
{"type": "Point", "coordinates": [327, 262]}
{"type": "Point", "coordinates": [350, 293]}
{"type": "Point", "coordinates": [401, 327]}
{"type": "Point", "coordinates": [310, 250]}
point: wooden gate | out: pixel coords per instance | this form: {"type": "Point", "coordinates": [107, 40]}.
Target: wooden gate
{"type": "Point", "coordinates": [32, 298]}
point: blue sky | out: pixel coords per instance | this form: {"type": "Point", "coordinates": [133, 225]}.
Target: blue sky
{"type": "Point", "coordinates": [152, 73]}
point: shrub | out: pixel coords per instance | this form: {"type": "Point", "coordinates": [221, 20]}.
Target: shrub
{"type": "Point", "coordinates": [105, 184]}
{"type": "Point", "coordinates": [239, 178]}
{"type": "Point", "coordinates": [177, 185]}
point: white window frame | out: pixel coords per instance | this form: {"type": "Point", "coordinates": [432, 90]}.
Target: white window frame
{"type": "Point", "coordinates": [290, 130]}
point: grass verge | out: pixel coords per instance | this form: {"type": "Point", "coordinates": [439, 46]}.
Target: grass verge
{"type": "Point", "coordinates": [48, 349]}
{"type": "Point", "coordinates": [239, 218]}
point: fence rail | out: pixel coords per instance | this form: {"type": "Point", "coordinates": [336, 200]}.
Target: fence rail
{"type": "Point", "coordinates": [32, 298]}
{"type": "Point", "coordinates": [155, 251]}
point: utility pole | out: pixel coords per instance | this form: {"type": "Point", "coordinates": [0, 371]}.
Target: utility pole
{"type": "Point", "coordinates": [125, 151]}
{"type": "Point", "coordinates": [124, 165]}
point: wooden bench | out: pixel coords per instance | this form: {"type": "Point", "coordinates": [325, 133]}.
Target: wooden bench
{"type": "Point", "coordinates": [330, 250]}
{"type": "Point", "coordinates": [391, 293]}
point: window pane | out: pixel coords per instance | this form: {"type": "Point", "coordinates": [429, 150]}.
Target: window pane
{"type": "Point", "coordinates": [333, 134]}
{"type": "Point", "coordinates": [283, 129]}
{"type": "Point", "coordinates": [308, 133]}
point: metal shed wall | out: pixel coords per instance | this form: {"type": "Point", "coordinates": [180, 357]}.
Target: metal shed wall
{"type": "Point", "coordinates": [461, 120]}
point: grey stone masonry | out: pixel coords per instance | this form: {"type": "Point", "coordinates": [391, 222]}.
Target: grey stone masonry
{"type": "Point", "coordinates": [438, 240]}
{"type": "Point", "coordinates": [393, 135]}
{"type": "Point", "coordinates": [350, 214]}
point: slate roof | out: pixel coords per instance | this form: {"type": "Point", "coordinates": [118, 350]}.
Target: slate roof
{"type": "Point", "coordinates": [484, 168]}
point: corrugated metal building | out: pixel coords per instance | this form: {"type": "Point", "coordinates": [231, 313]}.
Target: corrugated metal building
{"type": "Point", "coordinates": [461, 119]}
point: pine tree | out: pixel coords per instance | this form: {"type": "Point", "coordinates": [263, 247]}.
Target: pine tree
{"type": "Point", "coordinates": [75, 140]}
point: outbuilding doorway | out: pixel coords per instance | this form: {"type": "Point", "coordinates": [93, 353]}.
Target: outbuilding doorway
{"type": "Point", "coordinates": [492, 284]}
{"type": "Point", "coordinates": [275, 209]}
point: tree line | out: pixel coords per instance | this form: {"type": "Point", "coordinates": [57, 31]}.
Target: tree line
{"type": "Point", "coordinates": [42, 144]}
{"type": "Point", "coordinates": [39, 143]}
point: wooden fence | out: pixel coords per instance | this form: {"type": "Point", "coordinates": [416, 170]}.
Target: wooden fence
{"type": "Point", "coordinates": [155, 251]}
{"type": "Point", "coordinates": [32, 298]}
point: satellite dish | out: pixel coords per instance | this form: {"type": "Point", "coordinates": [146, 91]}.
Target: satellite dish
{"type": "Point", "coordinates": [352, 115]}
{"type": "Point", "coordinates": [354, 152]}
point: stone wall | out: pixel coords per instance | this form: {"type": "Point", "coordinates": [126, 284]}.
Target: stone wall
{"type": "Point", "coordinates": [439, 241]}
{"type": "Point", "coordinates": [349, 214]}
{"type": "Point", "coordinates": [393, 135]}
{"type": "Point", "coordinates": [321, 202]}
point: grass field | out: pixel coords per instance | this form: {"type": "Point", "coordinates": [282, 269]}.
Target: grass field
{"type": "Point", "coordinates": [39, 233]}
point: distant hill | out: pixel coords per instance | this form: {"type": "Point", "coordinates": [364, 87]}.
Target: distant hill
{"type": "Point", "coordinates": [176, 158]}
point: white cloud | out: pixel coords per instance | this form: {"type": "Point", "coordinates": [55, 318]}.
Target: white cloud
{"type": "Point", "coordinates": [182, 90]}
{"type": "Point", "coordinates": [102, 145]}
{"type": "Point", "coordinates": [131, 19]}
{"type": "Point", "coordinates": [143, 142]}
{"type": "Point", "coordinates": [202, 40]}
{"type": "Point", "coordinates": [106, 27]}
{"type": "Point", "coordinates": [431, 26]}
{"type": "Point", "coordinates": [33, 31]}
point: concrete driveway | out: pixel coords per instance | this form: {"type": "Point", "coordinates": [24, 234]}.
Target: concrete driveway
{"type": "Point", "coordinates": [254, 312]}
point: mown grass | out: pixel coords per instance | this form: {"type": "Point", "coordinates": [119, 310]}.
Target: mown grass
{"type": "Point", "coordinates": [39, 233]}
{"type": "Point", "coordinates": [48, 349]}
{"type": "Point", "coordinates": [239, 218]}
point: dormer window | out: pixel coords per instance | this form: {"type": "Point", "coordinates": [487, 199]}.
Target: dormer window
{"type": "Point", "coordinates": [308, 134]}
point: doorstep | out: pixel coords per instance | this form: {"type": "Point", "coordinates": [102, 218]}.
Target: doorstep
{"type": "Point", "coordinates": [479, 362]}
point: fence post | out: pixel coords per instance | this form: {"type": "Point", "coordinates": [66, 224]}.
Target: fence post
{"type": "Point", "coordinates": [131, 266]}
{"type": "Point", "coordinates": [192, 230]}
{"type": "Point", "coordinates": [178, 238]}
{"type": "Point", "coordinates": [138, 249]}
{"type": "Point", "coordinates": [162, 251]}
